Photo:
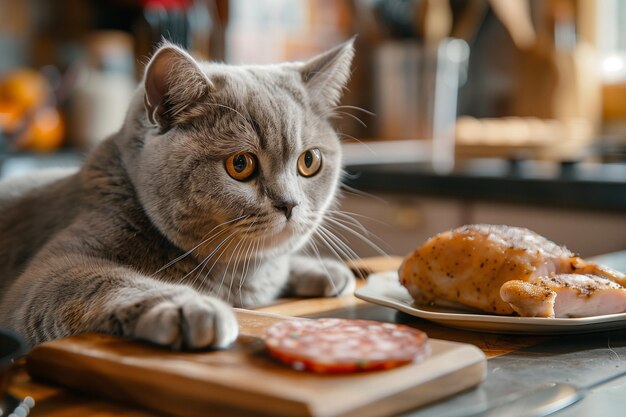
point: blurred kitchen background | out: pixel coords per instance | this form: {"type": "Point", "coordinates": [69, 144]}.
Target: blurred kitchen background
{"type": "Point", "coordinates": [495, 111]}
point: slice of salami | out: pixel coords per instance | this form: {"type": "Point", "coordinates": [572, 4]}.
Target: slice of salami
{"type": "Point", "coordinates": [344, 346]}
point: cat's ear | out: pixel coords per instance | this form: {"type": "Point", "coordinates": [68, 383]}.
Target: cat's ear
{"type": "Point", "coordinates": [326, 75]}
{"type": "Point", "coordinates": [173, 83]}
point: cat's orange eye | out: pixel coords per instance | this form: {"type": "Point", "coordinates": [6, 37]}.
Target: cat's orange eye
{"type": "Point", "coordinates": [241, 166]}
{"type": "Point", "coordinates": [310, 162]}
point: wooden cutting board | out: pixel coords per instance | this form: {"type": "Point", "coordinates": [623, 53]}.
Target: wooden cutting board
{"type": "Point", "coordinates": [244, 380]}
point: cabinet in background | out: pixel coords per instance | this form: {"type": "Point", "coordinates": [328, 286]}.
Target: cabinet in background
{"type": "Point", "coordinates": [399, 223]}
{"type": "Point", "coordinates": [586, 232]}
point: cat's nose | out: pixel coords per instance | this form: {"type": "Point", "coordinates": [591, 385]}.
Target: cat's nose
{"type": "Point", "coordinates": [286, 207]}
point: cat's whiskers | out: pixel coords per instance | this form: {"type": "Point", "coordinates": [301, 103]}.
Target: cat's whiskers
{"type": "Point", "coordinates": [259, 248]}
{"type": "Point", "coordinates": [337, 113]}
{"type": "Point", "coordinates": [329, 240]}
{"type": "Point", "coordinates": [246, 265]}
{"type": "Point", "coordinates": [358, 235]}
{"type": "Point", "coordinates": [236, 264]}
{"type": "Point", "coordinates": [351, 190]}
{"type": "Point", "coordinates": [205, 261]}
{"type": "Point", "coordinates": [330, 233]}
{"type": "Point", "coordinates": [206, 276]}
{"type": "Point", "coordinates": [201, 263]}
{"type": "Point", "coordinates": [361, 109]}
{"type": "Point", "coordinates": [215, 262]}
{"type": "Point", "coordinates": [234, 253]}
{"type": "Point", "coordinates": [316, 252]}
{"type": "Point", "coordinates": [207, 258]}
{"type": "Point", "coordinates": [340, 245]}
{"type": "Point", "coordinates": [190, 251]}
{"type": "Point", "coordinates": [344, 135]}
{"type": "Point", "coordinates": [350, 219]}
{"type": "Point", "coordinates": [181, 257]}
{"type": "Point", "coordinates": [313, 245]}
{"type": "Point", "coordinates": [349, 253]}
{"type": "Point", "coordinates": [346, 220]}
{"type": "Point", "coordinates": [229, 239]}
{"type": "Point", "coordinates": [244, 271]}
{"type": "Point", "coordinates": [349, 215]}
{"type": "Point", "coordinates": [262, 251]}
{"type": "Point", "coordinates": [319, 257]}
{"type": "Point", "coordinates": [261, 222]}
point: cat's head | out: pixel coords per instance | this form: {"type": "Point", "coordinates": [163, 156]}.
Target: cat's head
{"type": "Point", "coordinates": [238, 159]}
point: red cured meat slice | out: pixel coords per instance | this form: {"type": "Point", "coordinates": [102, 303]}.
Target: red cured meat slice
{"type": "Point", "coordinates": [345, 346]}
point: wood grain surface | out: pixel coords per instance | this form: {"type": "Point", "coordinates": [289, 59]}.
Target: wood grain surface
{"type": "Point", "coordinates": [244, 380]}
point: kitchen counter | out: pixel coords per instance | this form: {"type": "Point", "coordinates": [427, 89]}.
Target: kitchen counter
{"type": "Point", "coordinates": [516, 363]}
{"type": "Point", "coordinates": [576, 185]}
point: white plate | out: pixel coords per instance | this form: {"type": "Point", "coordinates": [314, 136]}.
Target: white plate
{"type": "Point", "coordinates": [384, 289]}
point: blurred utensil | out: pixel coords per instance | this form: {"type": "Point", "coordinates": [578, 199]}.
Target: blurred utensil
{"type": "Point", "coordinates": [543, 400]}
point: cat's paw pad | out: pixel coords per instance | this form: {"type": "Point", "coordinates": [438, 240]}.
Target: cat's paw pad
{"type": "Point", "coordinates": [328, 278]}
{"type": "Point", "coordinates": [190, 321]}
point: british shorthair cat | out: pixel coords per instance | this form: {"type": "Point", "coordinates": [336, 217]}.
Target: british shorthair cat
{"type": "Point", "coordinates": [219, 175]}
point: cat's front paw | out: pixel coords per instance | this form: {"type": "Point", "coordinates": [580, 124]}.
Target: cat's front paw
{"type": "Point", "coordinates": [325, 278]}
{"type": "Point", "coordinates": [188, 321]}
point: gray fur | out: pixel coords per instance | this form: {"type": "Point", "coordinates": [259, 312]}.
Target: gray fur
{"type": "Point", "coordinates": [151, 238]}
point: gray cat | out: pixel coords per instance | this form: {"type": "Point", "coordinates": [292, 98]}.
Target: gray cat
{"type": "Point", "coordinates": [217, 177]}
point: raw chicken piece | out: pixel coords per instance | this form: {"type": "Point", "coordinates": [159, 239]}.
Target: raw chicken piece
{"type": "Point", "coordinates": [504, 269]}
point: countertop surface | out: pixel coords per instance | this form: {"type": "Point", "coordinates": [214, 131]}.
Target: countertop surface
{"type": "Point", "coordinates": [580, 185]}
{"type": "Point", "coordinates": [516, 364]}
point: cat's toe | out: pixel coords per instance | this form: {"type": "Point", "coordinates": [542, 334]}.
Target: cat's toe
{"type": "Point", "coordinates": [160, 324]}
{"type": "Point", "coordinates": [191, 321]}
{"type": "Point", "coordinates": [208, 322]}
